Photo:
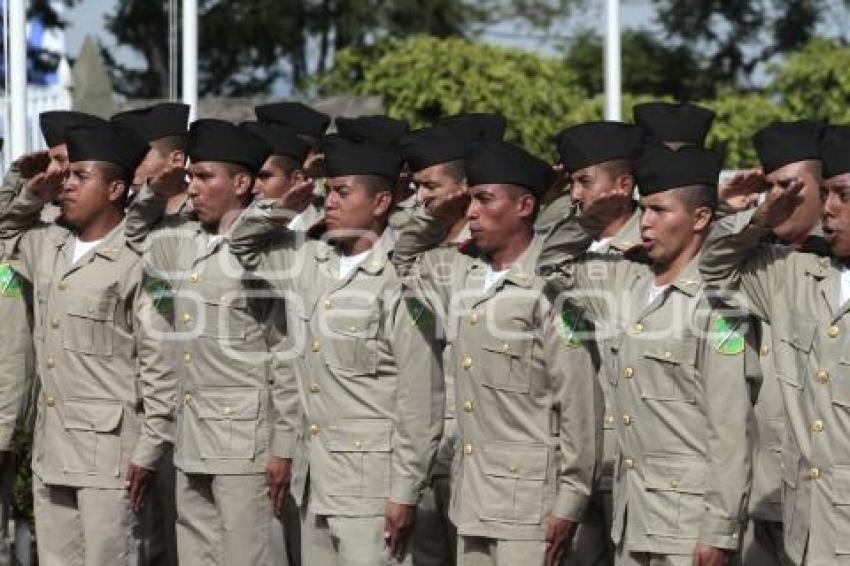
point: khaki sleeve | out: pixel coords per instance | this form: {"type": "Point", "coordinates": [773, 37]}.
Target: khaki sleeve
{"type": "Point", "coordinates": [419, 404]}
{"type": "Point", "coordinates": [16, 352]}
{"type": "Point", "coordinates": [157, 376]}
{"type": "Point", "coordinates": [22, 213]}
{"type": "Point", "coordinates": [420, 233]}
{"type": "Point", "coordinates": [284, 387]}
{"type": "Point", "coordinates": [729, 446]}
{"type": "Point", "coordinates": [12, 185]}
{"type": "Point", "coordinates": [143, 215]}
{"type": "Point", "coordinates": [573, 361]}
{"type": "Point", "coordinates": [554, 213]}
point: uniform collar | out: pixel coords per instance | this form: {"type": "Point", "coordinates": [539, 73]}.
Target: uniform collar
{"type": "Point", "coordinates": [628, 235]}
{"type": "Point", "coordinates": [688, 281]}
{"type": "Point", "coordinates": [374, 263]}
{"type": "Point", "coordinates": [521, 272]}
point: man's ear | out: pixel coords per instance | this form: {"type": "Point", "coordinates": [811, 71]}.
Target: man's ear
{"type": "Point", "coordinates": [383, 202]}
{"type": "Point", "coordinates": [298, 176]}
{"type": "Point", "coordinates": [116, 190]}
{"type": "Point", "coordinates": [243, 182]}
{"type": "Point", "coordinates": [525, 205]}
{"type": "Point", "coordinates": [626, 183]}
{"type": "Point", "coordinates": [702, 218]}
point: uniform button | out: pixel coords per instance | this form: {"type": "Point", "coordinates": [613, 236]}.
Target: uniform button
{"type": "Point", "coordinates": [467, 449]}
{"type": "Point", "coordinates": [468, 406]}
{"type": "Point", "coordinates": [54, 323]}
{"type": "Point", "coordinates": [610, 419]}
{"type": "Point", "coordinates": [328, 303]}
{"type": "Point", "coordinates": [50, 363]}
{"type": "Point", "coordinates": [187, 399]}
{"type": "Point", "coordinates": [352, 329]}
{"type": "Point", "coordinates": [734, 535]}
{"type": "Point", "coordinates": [822, 375]}
{"type": "Point", "coordinates": [194, 278]}
{"type": "Point", "coordinates": [668, 355]}
{"type": "Point", "coordinates": [315, 346]}
{"type": "Point", "coordinates": [473, 318]}
{"type": "Point", "coordinates": [315, 388]}
{"type": "Point", "coordinates": [629, 464]}
{"type": "Point", "coordinates": [637, 327]}
{"type": "Point", "coordinates": [832, 331]}
{"type": "Point", "coordinates": [765, 350]}
{"type": "Point", "coordinates": [817, 425]}
{"type": "Point", "coordinates": [628, 373]}
{"type": "Point", "coordinates": [512, 469]}
{"type": "Point", "coordinates": [674, 484]}
{"type": "Point", "coordinates": [358, 445]}
{"type": "Point", "coordinates": [187, 358]}
{"type": "Point", "coordinates": [628, 420]}
{"type": "Point", "coordinates": [50, 401]}
{"type": "Point", "coordinates": [467, 362]}
{"type": "Point", "coordinates": [187, 318]}
{"type": "Point", "coordinates": [227, 410]}
{"type": "Point", "coordinates": [506, 347]}
{"type": "Point", "coordinates": [62, 285]}
{"type": "Point", "coordinates": [314, 429]}
{"type": "Point", "coordinates": [814, 474]}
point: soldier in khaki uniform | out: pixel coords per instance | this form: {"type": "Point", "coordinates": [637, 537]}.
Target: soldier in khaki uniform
{"type": "Point", "coordinates": [598, 157]}
{"type": "Point", "coordinates": [804, 298]}
{"type": "Point", "coordinates": [678, 368]}
{"type": "Point", "coordinates": [235, 421]}
{"type": "Point", "coordinates": [527, 403]}
{"type": "Point", "coordinates": [368, 370]}
{"type": "Point", "coordinates": [105, 410]}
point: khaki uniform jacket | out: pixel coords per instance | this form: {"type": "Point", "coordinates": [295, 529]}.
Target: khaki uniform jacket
{"type": "Point", "coordinates": [237, 401]}
{"type": "Point", "coordinates": [678, 375]}
{"type": "Point", "coordinates": [368, 374]}
{"type": "Point", "coordinates": [107, 388]}
{"type": "Point", "coordinates": [528, 406]}
{"type": "Point", "coordinates": [798, 295]}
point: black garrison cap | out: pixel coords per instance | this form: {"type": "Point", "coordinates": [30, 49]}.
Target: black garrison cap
{"type": "Point", "coordinates": [781, 143]}
{"type": "Point", "coordinates": [597, 142]}
{"type": "Point", "coordinates": [835, 151]}
{"type": "Point", "coordinates": [378, 129]}
{"type": "Point", "coordinates": [54, 123]}
{"type": "Point", "coordinates": [498, 162]}
{"type": "Point", "coordinates": [282, 139]}
{"type": "Point", "coordinates": [220, 141]}
{"type": "Point", "coordinates": [660, 168]}
{"type": "Point", "coordinates": [427, 147]}
{"type": "Point", "coordinates": [157, 121]}
{"type": "Point", "coordinates": [346, 157]}
{"type": "Point", "coordinates": [114, 143]}
{"type": "Point", "coordinates": [300, 117]}
{"type": "Point", "coordinates": [681, 122]}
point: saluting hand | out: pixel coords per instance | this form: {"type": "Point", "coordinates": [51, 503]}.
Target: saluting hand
{"type": "Point", "coordinates": [169, 182]}
{"type": "Point", "coordinates": [298, 197]}
{"type": "Point", "coordinates": [137, 482]}
{"type": "Point", "coordinates": [741, 191]}
{"type": "Point", "coordinates": [779, 204]}
{"type": "Point", "coordinates": [705, 555]}
{"type": "Point", "coordinates": [278, 476]}
{"type": "Point", "coordinates": [559, 533]}
{"type": "Point", "coordinates": [595, 216]}
{"type": "Point", "coordinates": [31, 164]}
{"type": "Point", "coordinates": [397, 526]}
{"type": "Point", "coordinates": [446, 205]}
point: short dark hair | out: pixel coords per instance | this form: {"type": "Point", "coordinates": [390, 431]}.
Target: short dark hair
{"type": "Point", "coordinates": [114, 172]}
{"type": "Point", "coordinates": [618, 167]}
{"type": "Point", "coordinates": [375, 184]}
{"type": "Point", "coordinates": [169, 143]}
{"type": "Point", "coordinates": [455, 170]}
{"type": "Point", "coordinates": [286, 164]}
{"type": "Point", "coordinates": [518, 191]}
{"type": "Point", "coordinates": [234, 169]}
{"type": "Point", "coordinates": [696, 196]}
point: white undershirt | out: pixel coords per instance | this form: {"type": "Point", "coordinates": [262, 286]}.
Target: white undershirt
{"type": "Point", "coordinates": [81, 248]}
{"type": "Point", "coordinates": [845, 286]}
{"type": "Point", "coordinates": [348, 263]}
{"type": "Point", "coordinates": [492, 277]}
{"type": "Point", "coordinates": [213, 240]}
{"type": "Point", "coordinates": [600, 244]}
{"type": "Point", "coordinates": [656, 291]}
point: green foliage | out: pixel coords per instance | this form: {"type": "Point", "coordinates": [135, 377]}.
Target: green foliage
{"type": "Point", "coordinates": [815, 82]}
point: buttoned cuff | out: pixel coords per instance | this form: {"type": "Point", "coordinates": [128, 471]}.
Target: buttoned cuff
{"type": "Point", "coordinates": [570, 505]}
{"type": "Point", "coordinates": [283, 444]}
{"type": "Point", "coordinates": [720, 533]}
{"type": "Point", "coordinates": [147, 452]}
{"type": "Point", "coordinates": [405, 490]}
{"type": "Point", "coordinates": [6, 432]}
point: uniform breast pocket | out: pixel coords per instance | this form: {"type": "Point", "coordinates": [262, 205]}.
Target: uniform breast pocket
{"type": "Point", "coordinates": [352, 344]}
{"type": "Point", "coordinates": [668, 372]}
{"type": "Point", "coordinates": [792, 352]}
{"type": "Point", "coordinates": [359, 458]}
{"type": "Point", "coordinates": [223, 318]}
{"type": "Point", "coordinates": [674, 495]}
{"type": "Point", "coordinates": [90, 324]}
{"type": "Point", "coordinates": [227, 421]}
{"type": "Point", "coordinates": [93, 437]}
{"type": "Point", "coordinates": [512, 482]}
{"type": "Point", "coordinates": [506, 365]}
{"type": "Point", "coordinates": [841, 503]}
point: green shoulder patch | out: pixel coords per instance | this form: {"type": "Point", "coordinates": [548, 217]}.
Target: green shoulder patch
{"type": "Point", "coordinates": [10, 282]}
{"type": "Point", "coordinates": [422, 316]}
{"type": "Point", "coordinates": [160, 292]}
{"type": "Point", "coordinates": [726, 338]}
{"type": "Point", "coordinates": [572, 327]}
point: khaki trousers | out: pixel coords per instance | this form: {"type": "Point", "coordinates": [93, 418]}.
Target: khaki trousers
{"type": "Point", "coordinates": [434, 539]}
{"type": "Point", "coordinates": [480, 551]}
{"type": "Point", "coordinates": [650, 559]}
{"type": "Point", "coordinates": [592, 545]}
{"type": "Point", "coordinates": [332, 540]}
{"type": "Point", "coordinates": [81, 526]}
{"type": "Point", "coordinates": [226, 520]}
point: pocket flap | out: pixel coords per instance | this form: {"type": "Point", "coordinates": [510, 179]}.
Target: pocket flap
{"type": "Point", "coordinates": [353, 327]}
{"type": "Point", "coordinates": [841, 485]}
{"type": "Point", "coordinates": [673, 353]}
{"type": "Point", "coordinates": [801, 336]}
{"type": "Point", "coordinates": [674, 473]}
{"type": "Point", "coordinates": [359, 436]}
{"type": "Point", "coordinates": [93, 308]}
{"type": "Point", "coordinates": [516, 348]}
{"type": "Point", "coordinates": [514, 462]}
{"type": "Point", "coordinates": [93, 415]}
{"type": "Point", "coordinates": [227, 403]}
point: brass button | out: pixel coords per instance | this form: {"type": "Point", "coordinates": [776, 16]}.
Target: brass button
{"type": "Point", "coordinates": [315, 388]}
{"type": "Point", "coordinates": [91, 310]}
{"type": "Point", "coordinates": [814, 474]}
{"type": "Point", "coordinates": [628, 373]}
{"type": "Point", "coordinates": [187, 399]}
{"type": "Point", "coordinates": [467, 362]}
{"type": "Point", "coordinates": [358, 445]}
{"type": "Point", "coordinates": [822, 375]}
{"type": "Point", "coordinates": [54, 323]}
{"type": "Point", "coordinates": [637, 327]}
{"type": "Point", "coordinates": [468, 406]}
{"type": "Point", "coordinates": [315, 346]}
{"type": "Point", "coordinates": [832, 331]}
{"type": "Point", "coordinates": [513, 469]}
{"type": "Point", "coordinates": [227, 410]}
{"type": "Point", "coordinates": [629, 464]}
{"type": "Point", "coordinates": [352, 328]}
{"type": "Point", "coordinates": [467, 449]}
{"type": "Point", "coordinates": [187, 358]}
{"type": "Point", "coordinates": [765, 350]}
{"type": "Point", "coordinates": [314, 429]}
{"type": "Point", "coordinates": [674, 484]}
{"type": "Point", "coordinates": [187, 318]}
{"type": "Point", "coordinates": [473, 318]}
{"type": "Point", "coordinates": [51, 363]}
{"type": "Point", "coordinates": [668, 355]}
{"type": "Point", "coordinates": [506, 347]}
{"type": "Point", "coordinates": [62, 285]}
{"type": "Point", "coordinates": [817, 425]}
{"type": "Point", "coordinates": [609, 419]}
{"type": "Point", "coordinates": [628, 420]}
{"type": "Point", "coordinates": [328, 303]}
{"type": "Point", "coordinates": [50, 401]}
{"type": "Point", "coordinates": [194, 278]}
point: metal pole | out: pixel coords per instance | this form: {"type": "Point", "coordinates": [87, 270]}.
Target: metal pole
{"type": "Point", "coordinates": [613, 80]}
{"type": "Point", "coordinates": [17, 79]}
{"type": "Point", "coordinates": [190, 56]}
